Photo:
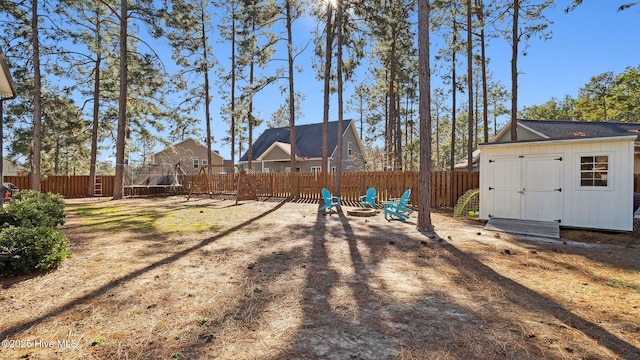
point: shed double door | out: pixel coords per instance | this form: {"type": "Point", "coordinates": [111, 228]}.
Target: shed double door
{"type": "Point", "coordinates": [527, 187]}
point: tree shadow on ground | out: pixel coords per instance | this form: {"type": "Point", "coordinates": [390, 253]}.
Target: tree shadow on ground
{"type": "Point", "coordinates": [12, 331]}
{"type": "Point", "coordinates": [525, 297]}
{"type": "Point", "coordinates": [377, 326]}
{"type": "Point", "coordinates": [327, 334]}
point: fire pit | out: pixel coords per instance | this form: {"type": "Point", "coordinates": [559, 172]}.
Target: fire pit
{"type": "Point", "coordinates": [362, 212]}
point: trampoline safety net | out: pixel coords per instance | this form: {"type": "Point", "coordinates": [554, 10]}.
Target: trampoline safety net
{"type": "Point", "coordinates": [151, 175]}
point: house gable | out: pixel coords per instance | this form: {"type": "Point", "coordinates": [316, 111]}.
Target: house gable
{"type": "Point", "coordinates": [277, 151]}
{"type": "Point", "coordinates": [185, 154]}
{"type": "Point", "coordinates": [525, 133]}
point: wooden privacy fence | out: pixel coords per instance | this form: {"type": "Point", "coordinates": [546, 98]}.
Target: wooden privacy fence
{"type": "Point", "coordinates": [76, 186]}
{"type": "Point", "coordinates": [298, 185]}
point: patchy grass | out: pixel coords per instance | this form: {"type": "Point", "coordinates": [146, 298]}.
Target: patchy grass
{"type": "Point", "coordinates": [619, 283]}
{"type": "Point", "coordinates": [203, 279]}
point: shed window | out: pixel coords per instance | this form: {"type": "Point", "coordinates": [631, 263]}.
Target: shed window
{"type": "Point", "coordinates": [594, 170]}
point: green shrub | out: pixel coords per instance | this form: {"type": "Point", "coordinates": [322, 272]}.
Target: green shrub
{"type": "Point", "coordinates": [32, 208]}
{"type": "Point", "coordinates": [24, 249]}
{"type": "Point", "coordinates": [6, 219]}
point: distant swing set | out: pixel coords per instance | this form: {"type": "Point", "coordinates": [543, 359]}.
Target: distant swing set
{"type": "Point", "coordinates": [236, 183]}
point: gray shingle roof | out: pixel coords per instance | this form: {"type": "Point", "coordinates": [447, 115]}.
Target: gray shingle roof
{"type": "Point", "coordinates": [559, 130]}
{"type": "Point", "coordinates": [308, 140]}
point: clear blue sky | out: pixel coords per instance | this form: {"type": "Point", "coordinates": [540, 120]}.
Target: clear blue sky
{"type": "Point", "coordinates": [592, 39]}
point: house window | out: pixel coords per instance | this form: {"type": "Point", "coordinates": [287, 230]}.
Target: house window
{"type": "Point", "coordinates": [196, 163]}
{"type": "Point", "coordinates": [594, 170]}
{"type": "Point", "coordinates": [316, 169]}
{"type": "Point", "coordinates": [265, 170]}
{"type": "Point", "coordinates": [333, 169]}
{"type": "Point", "coordinates": [204, 162]}
{"type": "Point", "coordinates": [349, 148]}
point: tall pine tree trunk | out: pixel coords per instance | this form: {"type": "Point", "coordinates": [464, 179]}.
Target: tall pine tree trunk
{"type": "Point", "coordinates": [118, 181]}
{"type": "Point", "coordinates": [514, 72]}
{"type": "Point", "coordinates": [424, 200]}
{"type": "Point", "coordinates": [37, 101]}
{"type": "Point", "coordinates": [470, 88]}
{"type": "Point", "coordinates": [483, 47]}
{"type": "Point", "coordinates": [327, 93]}
{"type": "Point", "coordinates": [292, 102]}
{"type": "Point", "coordinates": [207, 97]}
{"type": "Point", "coordinates": [398, 143]}
{"type": "Point", "coordinates": [96, 121]}
{"type": "Point", "coordinates": [250, 109]}
{"type": "Point", "coordinates": [339, 17]}
{"type": "Point", "coordinates": [233, 85]}
{"type": "Point", "coordinates": [394, 134]}
{"type": "Point", "coordinates": [454, 89]}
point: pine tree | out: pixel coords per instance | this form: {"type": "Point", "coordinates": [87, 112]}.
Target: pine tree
{"type": "Point", "coordinates": [527, 20]}
{"type": "Point", "coordinates": [229, 31]}
{"type": "Point", "coordinates": [256, 48]}
{"type": "Point", "coordinates": [188, 27]}
{"type": "Point", "coordinates": [93, 33]}
{"type": "Point", "coordinates": [424, 200]}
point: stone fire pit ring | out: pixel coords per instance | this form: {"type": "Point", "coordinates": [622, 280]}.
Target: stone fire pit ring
{"type": "Point", "coordinates": [362, 212]}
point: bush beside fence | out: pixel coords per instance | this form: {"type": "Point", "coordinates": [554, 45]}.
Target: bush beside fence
{"type": "Point", "coordinates": [298, 185]}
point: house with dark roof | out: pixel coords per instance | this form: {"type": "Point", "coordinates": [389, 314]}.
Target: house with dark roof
{"type": "Point", "coordinates": [578, 174]}
{"type": "Point", "coordinates": [271, 152]}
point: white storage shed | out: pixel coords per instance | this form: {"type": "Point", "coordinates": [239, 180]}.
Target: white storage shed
{"type": "Point", "coordinates": [584, 182]}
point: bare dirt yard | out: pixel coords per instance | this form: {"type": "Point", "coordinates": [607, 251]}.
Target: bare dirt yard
{"type": "Point", "coordinates": [166, 278]}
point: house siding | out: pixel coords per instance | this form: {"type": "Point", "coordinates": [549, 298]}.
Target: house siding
{"type": "Point", "coordinates": [12, 169]}
{"type": "Point", "coordinates": [355, 161]}
{"type": "Point", "coordinates": [184, 153]}
{"type": "Point", "coordinates": [609, 207]}
{"type": "Point", "coordinates": [277, 154]}
{"type": "Point", "coordinates": [280, 166]}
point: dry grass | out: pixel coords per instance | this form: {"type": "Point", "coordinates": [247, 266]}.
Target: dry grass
{"type": "Point", "coordinates": [170, 279]}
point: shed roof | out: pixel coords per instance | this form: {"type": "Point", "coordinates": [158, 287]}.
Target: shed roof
{"type": "Point", "coordinates": [559, 130]}
{"type": "Point", "coordinates": [308, 140]}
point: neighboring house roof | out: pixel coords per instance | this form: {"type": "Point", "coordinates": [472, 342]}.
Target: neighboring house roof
{"type": "Point", "coordinates": [308, 140]}
{"type": "Point", "coordinates": [475, 158]}
{"type": "Point", "coordinates": [561, 130]}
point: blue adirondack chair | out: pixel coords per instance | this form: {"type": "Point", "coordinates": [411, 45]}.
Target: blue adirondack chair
{"type": "Point", "coordinates": [368, 200]}
{"type": "Point", "coordinates": [398, 207]}
{"type": "Point", "coordinates": [330, 201]}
